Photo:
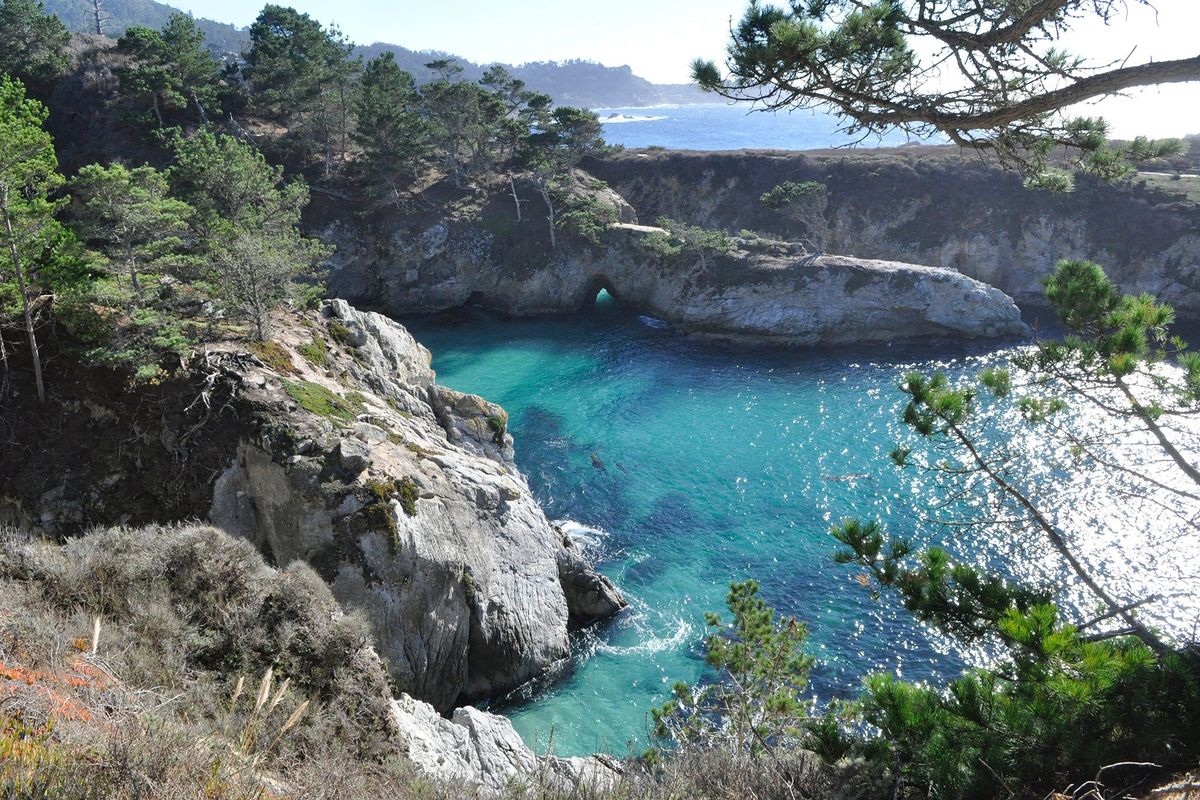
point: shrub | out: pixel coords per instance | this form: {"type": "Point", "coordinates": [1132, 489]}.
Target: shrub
{"type": "Point", "coordinates": [498, 426]}
{"type": "Point", "coordinates": [340, 333]}
{"type": "Point", "coordinates": [316, 352]}
{"type": "Point", "coordinates": [274, 355]}
{"type": "Point", "coordinates": [187, 609]}
{"type": "Point", "coordinates": [587, 217]}
{"type": "Point", "coordinates": [788, 192]}
{"type": "Point", "coordinates": [406, 489]}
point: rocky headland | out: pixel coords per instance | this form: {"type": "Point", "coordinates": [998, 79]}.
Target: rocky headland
{"type": "Point", "coordinates": [332, 445]}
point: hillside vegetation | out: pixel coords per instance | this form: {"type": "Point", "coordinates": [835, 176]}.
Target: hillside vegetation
{"type": "Point", "coordinates": [174, 661]}
{"type": "Point", "coordinates": [575, 82]}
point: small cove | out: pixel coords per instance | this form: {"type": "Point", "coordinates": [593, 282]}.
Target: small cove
{"type": "Point", "coordinates": [684, 465]}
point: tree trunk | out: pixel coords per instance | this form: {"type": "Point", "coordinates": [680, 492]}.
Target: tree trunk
{"type": "Point", "coordinates": [157, 112]}
{"type": "Point", "coordinates": [3, 361]}
{"type": "Point", "coordinates": [26, 311]}
{"type": "Point", "coordinates": [131, 263]}
{"type": "Point", "coordinates": [516, 200]}
{"type": "Point", "coordinates": [99, 21]}
{"type": "Point", "coordinates": [200, 109]}
{"type": "Point", "coordinates": [345, 114]}
{"type": "Point", "coordinates": [550, 216]}
{"type": "Point", "coordinates": [1059, 543]}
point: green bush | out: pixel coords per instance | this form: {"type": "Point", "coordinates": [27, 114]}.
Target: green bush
{"type": "Point", "coordinates": [788, 192]}
{"type": "Point", "coordinates": [316, 352]}
{"type": "Point", "coordinates": [499, 426]}
{"type": "Point", "coordinates": [274, 355]}
{"type": "Point", "coordinates": [587, 217]}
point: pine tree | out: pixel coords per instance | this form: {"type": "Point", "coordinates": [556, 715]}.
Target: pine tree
{"type": "Point", "coordinates": [992, 75]}
{"type": "Point", "coordinates": [28, 177]}
{"type": "Point", "coordinates": [169, 70]}
{"type": "Point", "coordinates": [250, 218]}
{"type": "Point", "coordinates": [467, 122]}
{"type": "Point", "coordinates": [565, 137]}
{"type": "Point", "coordinates": [33, 44]}
{"type": "Point", "coordinates": [303, 76]}
{"type": "Point", "coordinates": [129, 213]}
{"type": "Point", "coordinates": [395, 138]}
{"type": "Point", "coordinates": [757, 702]}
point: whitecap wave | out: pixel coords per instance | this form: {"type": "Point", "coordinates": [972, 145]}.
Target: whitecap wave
{"type": "Point", "coordinates": [651, 644]}
{"type": "Point", "coordinates": [586, 537]}
{"type": "Point", "coordinates": [618, 119]}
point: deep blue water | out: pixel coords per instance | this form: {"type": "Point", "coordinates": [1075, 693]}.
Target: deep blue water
{"type": "Point", "coordinates": [723, 126]}
{"type": "Point", "coordinates": [688, 465]}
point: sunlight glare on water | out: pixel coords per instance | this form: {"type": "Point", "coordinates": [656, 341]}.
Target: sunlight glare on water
{"type": "Point", "coordinates": [682, 466]}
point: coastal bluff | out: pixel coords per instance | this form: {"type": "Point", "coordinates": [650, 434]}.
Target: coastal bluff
{"type": "Point", "coordinates": [937, 206]}
{"type": "Point", "coordinates": [761, 291]}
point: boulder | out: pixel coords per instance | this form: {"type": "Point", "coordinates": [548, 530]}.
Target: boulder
{"type": "Point", "coordinates": [483, 751]}
{"type": "Point", "coordinates": [590, 595]}
{"type": "Point", "coordinates": [354, 455]}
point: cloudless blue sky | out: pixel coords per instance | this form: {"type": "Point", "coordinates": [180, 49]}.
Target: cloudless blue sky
{"type": "Point", "coordinates": [658, 38]}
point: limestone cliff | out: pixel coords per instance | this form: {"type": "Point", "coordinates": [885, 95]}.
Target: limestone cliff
{"type": "Point", "coordinates": [932, 205]}
{"type": "Point", "coordinates": [333, 445]}
{"type": "Point", "coordinates": [762, 291]}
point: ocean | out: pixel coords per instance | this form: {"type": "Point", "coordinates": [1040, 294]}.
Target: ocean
{"type": "Point", "coordinates": [724, 126]}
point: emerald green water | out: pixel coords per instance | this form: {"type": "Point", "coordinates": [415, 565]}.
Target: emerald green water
{"type": "Point", "coordinates": [687, 465]}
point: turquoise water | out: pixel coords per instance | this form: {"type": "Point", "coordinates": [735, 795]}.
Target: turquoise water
{"type": "Point", "coordinates": [683, 466]}
{"type": "Point", "coordinates": [692, 465]}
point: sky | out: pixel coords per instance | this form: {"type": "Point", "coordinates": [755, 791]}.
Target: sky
{"type": "Point", "coordinates": [658, 39]}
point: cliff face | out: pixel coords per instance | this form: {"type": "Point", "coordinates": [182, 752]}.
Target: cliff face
{"type": "Point", "coordinates": [334, 446]}
{"type": "Point", "coordinates": [931, 206]}
{"type": "Point", "coordinates": [761, 291]}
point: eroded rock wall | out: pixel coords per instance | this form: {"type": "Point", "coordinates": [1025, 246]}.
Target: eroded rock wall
{"type": "Point", "coordinates": [934, 206]}
{"type": "Point", "coordinates": [762, 291]}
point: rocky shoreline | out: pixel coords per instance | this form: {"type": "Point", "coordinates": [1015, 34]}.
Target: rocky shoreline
{"type": "Point", "coordinates": [334, 445]}
{"type": "Point", "coordinates": [932, 205]}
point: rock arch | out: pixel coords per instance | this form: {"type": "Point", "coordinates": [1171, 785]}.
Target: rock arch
{"type": "Point", "coordinates": [592, 289]}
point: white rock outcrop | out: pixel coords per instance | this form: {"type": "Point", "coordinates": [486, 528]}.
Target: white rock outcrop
{"type": "Point", "coordinates": [406, 499]}
{"type": "Point", "coordinates": [483, 750]}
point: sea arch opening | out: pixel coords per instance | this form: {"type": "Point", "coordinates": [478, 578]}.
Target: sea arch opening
{"type": "Point", "coordinates": [599, 293]}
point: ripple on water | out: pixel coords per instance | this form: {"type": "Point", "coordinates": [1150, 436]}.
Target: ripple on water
{"type": "Point", "coordinates": [681, 466]}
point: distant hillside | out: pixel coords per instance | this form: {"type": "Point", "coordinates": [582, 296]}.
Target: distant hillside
{"type": "Point", "coordinates": [574, 83]}
{"type": "Point", "coordinates": [122, 14]}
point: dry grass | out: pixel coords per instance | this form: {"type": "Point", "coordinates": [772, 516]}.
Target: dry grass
{"type": "Point", "coordinates": [172, 662]}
